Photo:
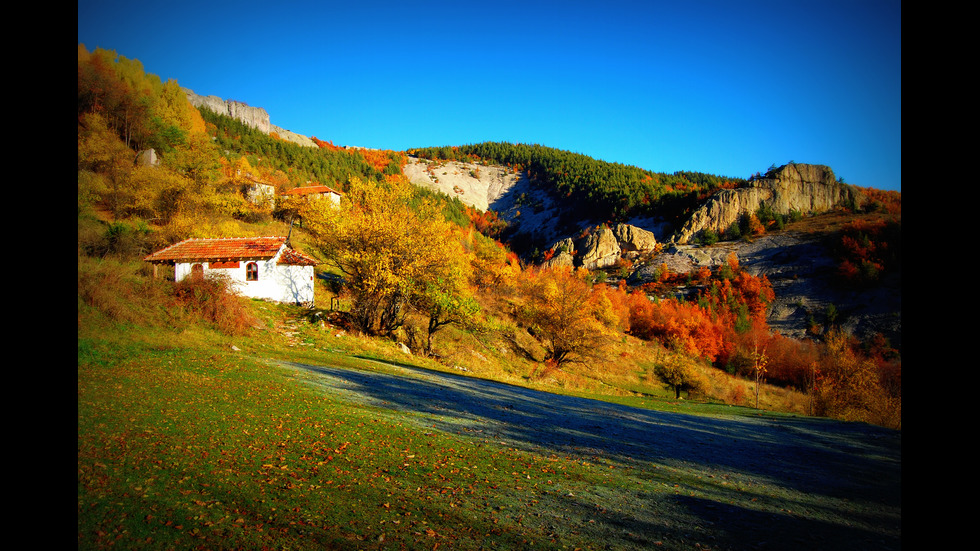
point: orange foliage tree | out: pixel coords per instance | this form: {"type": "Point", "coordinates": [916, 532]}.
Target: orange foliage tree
{"type": "Point", "coordinates": [486, 222]}
{"type": "Point", "coordinates": [729, 313]}
{"type": "Point", "coordinates": [325, 144]}
{"type": "Point", "coordinates": [684, 326]}
{"type": "Point", "coordinates": [558, 307]}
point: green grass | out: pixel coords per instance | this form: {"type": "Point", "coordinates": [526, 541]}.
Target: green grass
{"type": "Point", "coordinates": [191, 448]}
{"type": "Point", "coordinates": [190, 439]}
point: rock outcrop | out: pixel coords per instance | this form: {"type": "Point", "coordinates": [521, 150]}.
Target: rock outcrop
{"type": "Point", "coordinates": [478, 185]}
{"type": "Point", "coordinates": [634, 240]}
{"type": "Point", "coordinates": [563, 254]}
{"type": "Point", "coordinates": [802, 188]}
{"type": "Point", "coordinates": [256, 117]}
{"type": "Point", "coordinates": [148, 157]}
{"type": "Point", "coordinates": [602, 247]}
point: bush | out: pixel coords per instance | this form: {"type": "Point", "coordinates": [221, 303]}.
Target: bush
{"type": "Point", "coordinates": [677, 372]}
{"type": "Point", "coordinates": [121, 240]}
{"type": "Point", "coordinates": [734, 231]}
{"type": "Point", "coordinates": [117, 292]}
{"type": "Point", "coordinates": [709, 237]}
{"type": "Point", "coordinates": [212, 300]}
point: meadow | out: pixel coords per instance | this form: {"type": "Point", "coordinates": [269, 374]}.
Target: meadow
{"type": "Point", "coordinates": [189, 438]}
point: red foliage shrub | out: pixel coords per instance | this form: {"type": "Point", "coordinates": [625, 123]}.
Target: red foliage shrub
{"type": "Point", "coordinates": [684, 326]}
{"type": "Point", "coordinates": [791, 361]}
{"type": "Point", "coordinates": [732, 303]}
{"type": "Point", "coordinates": [865, 250]}
{"type": "Point", "coordinates": [212, 300]}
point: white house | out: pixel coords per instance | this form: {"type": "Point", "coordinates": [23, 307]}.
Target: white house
{"type": "Point", "coordinates": [258, 267]}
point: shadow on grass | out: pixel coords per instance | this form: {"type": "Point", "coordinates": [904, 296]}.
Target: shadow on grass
{"type": "Point", "coordinates": [814, 456]}
{"type": "Point", "coordinates": [735, 527]}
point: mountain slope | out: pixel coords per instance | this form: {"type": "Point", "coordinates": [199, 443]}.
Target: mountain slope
{"type": "Point", "coordinates": [797, 263]}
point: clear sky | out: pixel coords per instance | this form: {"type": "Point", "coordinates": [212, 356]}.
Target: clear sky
{"type": "Point", "coordinates": [723, 87]}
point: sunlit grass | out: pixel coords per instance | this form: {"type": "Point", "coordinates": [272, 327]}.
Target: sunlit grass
{"type": "Point", "coordinates": [191, 438]}
{"type": "Point", "coordinates": [184, 446]}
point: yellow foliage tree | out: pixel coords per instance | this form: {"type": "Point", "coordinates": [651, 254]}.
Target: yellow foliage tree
{"type": "Point", "coordinates": [395, 253]}
{"type": "Point", "coordinates": [850, 384]}
{"type": "Point", "coordinates": [104, 164]}
{"type": "Point", "coordinates": [559, 308]}
{"type": "Point", "coordinates": [494, 267]}
{"type": "Point", "coordinates": [677, 371]}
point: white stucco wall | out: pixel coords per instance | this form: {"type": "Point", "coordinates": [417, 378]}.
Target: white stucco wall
{"type": "Point", "coordinates": [281, 283]}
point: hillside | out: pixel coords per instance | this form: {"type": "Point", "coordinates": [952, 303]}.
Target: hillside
{"type": "Point", "coordinates": [575, 254]}
{"type": "Point", "coordinates": [514, 351]}
{"type": "Point", "coordinates": [289, 436]}
{"type": "Point", "coordinates": [797, 260]}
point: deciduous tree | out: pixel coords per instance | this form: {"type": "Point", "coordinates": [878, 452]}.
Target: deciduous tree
{"type": "Point", "coordinates": [392, 255]}
{"type": "Point", "coordinates": [677, 372]}
{"type": "Point", "coordinates": [445, 302]}
{"type": "Point", "coordinates": [558, 308]}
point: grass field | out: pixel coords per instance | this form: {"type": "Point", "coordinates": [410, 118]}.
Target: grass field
{"type": "Point", "coordinates": [194, 440]}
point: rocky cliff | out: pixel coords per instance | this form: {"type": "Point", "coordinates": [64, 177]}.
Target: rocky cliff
{"type": "Point", "coordinates": [793, 187]}
{"type": "Point", "coordinates": [256, 117]}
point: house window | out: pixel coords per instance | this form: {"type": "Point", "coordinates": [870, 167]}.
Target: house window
{"type": "Point", "coordinates": [251, 272]}
{"type": "Point", "coordinates": [197, 271]}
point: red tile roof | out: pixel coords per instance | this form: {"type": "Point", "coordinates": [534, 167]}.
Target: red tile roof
{"type": "Point", "coordinates": [308, 190]}
{"type": "Point", "coordinates": [296, 258]}
{"type": "Point", "coordinates": [235, 248]}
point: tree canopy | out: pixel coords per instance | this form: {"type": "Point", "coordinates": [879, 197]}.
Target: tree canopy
{"type": "Point", "coordinates": [395, 254]}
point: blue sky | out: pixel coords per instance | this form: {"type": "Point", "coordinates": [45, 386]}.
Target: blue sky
{"type": "Point", "coordinates": [726, 88]}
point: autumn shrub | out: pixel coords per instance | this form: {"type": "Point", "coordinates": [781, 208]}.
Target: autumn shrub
{"type": "Point", "coordinates": [117, 292]}
{"type": "Point", "coordinates": [792, 361]}
{"type": "Point", "coordinates": [684, 326]}
{"type": "Point", "coordinates": [544, 371]}
{"type": "Point", "coordinates": [737, 394]}
{"type": "Point", "coordinates": [865, 251]}
{"type": "Point", "coordinates": [622, 267]}
{"type": "Point", "coordinates": [486, 222]}
{"type": "Point", "coordinates": [124, 240]}
{"type": "Point", "coordinates": [854, 387]}
{"type": "Point", "coordinates": [676, 371]}
{"type": "Point", "coordinates": [253, 215]}
{"type": "Point", "coordinates": [212, 300]}
{"type": "Point", "coordinates": [610, 305]}
{"type": "Point", "coordinates": [495, 269]}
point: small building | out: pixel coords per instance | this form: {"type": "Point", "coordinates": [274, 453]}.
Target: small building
{"type": "Point", "coordinates": [292, 201]}
{"type": "Point", "coordinates": [314, 192]}
{"type": "Point", "coordinates": [258, 267]}
{"type": "Point", "coordinates": [259, 193]}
